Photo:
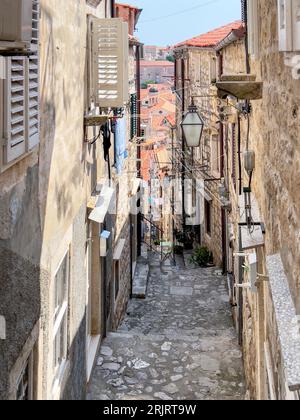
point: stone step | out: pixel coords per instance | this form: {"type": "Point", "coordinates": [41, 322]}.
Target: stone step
{"type": "Point", "coordinates": [140, 280]}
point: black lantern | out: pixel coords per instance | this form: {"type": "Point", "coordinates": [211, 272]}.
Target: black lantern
{"type": "Point", "coordinates": [192, 126]}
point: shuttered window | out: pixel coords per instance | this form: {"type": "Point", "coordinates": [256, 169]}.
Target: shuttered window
{"type": "Point", "coordinates": [19, 96]}
{"type": "Point", "coordinates": [253, 28]}
{"type": "Point", "coordinates": [134, 116]}
{"type": "Point", "coordinates": [19, 87]}
{"type": "Point", "coordinates": [14, 108]}
{"type": "Point", "coordinates": [234, 156]}
{"type": "Point", "coordinates": [32, 108]}
{"type": "Point", "coordinates": [110, 62]}
{"type": "Point", "coordinates": [289, 25]}
{"type": "Point", "coordinates": [35, 25]}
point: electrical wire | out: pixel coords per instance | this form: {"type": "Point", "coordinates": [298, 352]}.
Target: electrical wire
{"type": "Point", "coordinates": [93, 140]}
{"type": "Point", "coordinates": [180, 12]}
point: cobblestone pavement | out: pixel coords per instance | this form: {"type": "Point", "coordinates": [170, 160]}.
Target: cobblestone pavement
{"type": "Point", "coordinates": [178, 344]}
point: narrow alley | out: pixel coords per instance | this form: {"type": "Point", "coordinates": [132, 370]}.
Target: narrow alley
{"type": "Point", "coordinates": [177, 344]}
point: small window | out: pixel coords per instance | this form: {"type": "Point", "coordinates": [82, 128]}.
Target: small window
{"type": "Point", "coordinates": [60, 333]}
{"type": "Point", "coordinates": [213, 69]}
{"type": "Point", "coordinates": [215, 154]}
{"type": "Point", "coordinates": [289, 25]}
{"type": "Point", "coordinates": [253, 28]}
{"type": "Point", "coordinates": [234, 156]}
{"type": "Point", "coordinates": [117, 279]}
{"type": "Point", "coordinates": [134, 116]}
{"type": "Point", "coordinates": [207, 210]}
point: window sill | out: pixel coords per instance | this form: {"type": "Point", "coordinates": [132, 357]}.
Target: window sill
{"type": "Point", "coordinates": [6, 167]}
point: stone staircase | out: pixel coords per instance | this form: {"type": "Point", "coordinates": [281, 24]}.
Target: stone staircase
{"type": "Point", "coordinates": [178, 343]}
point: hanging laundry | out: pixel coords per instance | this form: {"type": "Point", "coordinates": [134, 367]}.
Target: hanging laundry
{"type": "Point", "coordinates": [106, 140]}
{"type": "Point", "coordinates": [120, 144]}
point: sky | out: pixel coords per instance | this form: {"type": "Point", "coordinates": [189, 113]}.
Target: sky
{"type": "Point", "coordinates": [189, 18]}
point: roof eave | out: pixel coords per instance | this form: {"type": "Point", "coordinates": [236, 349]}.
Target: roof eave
{"type": "Point", "coordinates": [235, 35]}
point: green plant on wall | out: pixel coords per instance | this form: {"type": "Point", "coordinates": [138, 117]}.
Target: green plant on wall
{"type": "Point", "coordinates": [202, 257]}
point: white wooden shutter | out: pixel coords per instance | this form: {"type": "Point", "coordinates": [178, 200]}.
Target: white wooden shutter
{"type": "Point", "coordinates": [296, 25]}
{"type": "Point", "coordinates": [125, 62]}
{"type": "Point", "coordinates": [253, 28]}
{"type": "Point", "coordinates": [32, 102]}
{"type": "Point", "coordinates": [110, 62]}
{"type": "Point", "coordinates": [14, 108]}
{"type": "Point", "coordinates": [35, 25]}
{"type": "Point", "coordinates": [285, 25]}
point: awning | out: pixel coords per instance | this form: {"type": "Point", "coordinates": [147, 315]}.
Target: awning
{"type": "Point", "coordinates": [119, 249]}
{"type": "Point", "coordinates": [102, 206]}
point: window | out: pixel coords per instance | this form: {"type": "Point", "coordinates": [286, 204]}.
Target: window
{"type": "Point", "coordinates": [117, 278]}
{"type": "Point", "coordinates": [60, 331]}
{"type": "Point", "coordinates": [25, 382]}
{"type": "Point", "coordinates": [253, 28]}
{"type": "Point", "coordinates": [207, 211]}
{"type": "Point", "coordinates": [134, 116]}
{"type": "Point", "coordinates": [234, 156]}
{"type": "Point", "coordinates": [215, 154]}
{"type": "Point", "coordinates": [213, 69]}
{"type": "Point", "coordinates": [19, 82]}
{"type": "Point", "coordinates": [110, 62]}
{"type": "Point", "coordinates": [289, 25]}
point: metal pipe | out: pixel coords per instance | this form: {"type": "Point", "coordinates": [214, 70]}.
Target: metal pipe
{"type": "Point", "coordinates": [182, 142]}
{"type": "Point", "coordinates": [239, 154]}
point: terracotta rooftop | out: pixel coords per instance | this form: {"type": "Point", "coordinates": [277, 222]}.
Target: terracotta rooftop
{"type": "Point", "coordinates": [212, 38]}
{"type": "Point", "coordinates": [145, 63]}
{"type": "Point", "coordinates": [128, 6]}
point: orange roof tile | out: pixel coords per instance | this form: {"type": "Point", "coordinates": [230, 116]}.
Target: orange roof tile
{"type": "Point", "coordinates": [171, 120]}
{"type": "Point", "coordinates": [145, 63]}
{"type": "Point", "coordinates": [212, 38]}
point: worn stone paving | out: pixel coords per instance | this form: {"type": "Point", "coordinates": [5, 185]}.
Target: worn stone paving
{"type": "Point", "coordinates": [177, 344]}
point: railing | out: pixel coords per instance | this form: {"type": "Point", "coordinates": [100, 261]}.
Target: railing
{"type": "Point", "coordinates": [163, 256]}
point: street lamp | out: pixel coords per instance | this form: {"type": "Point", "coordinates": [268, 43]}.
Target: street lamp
{"type": "Point", "coordinates": [192, 126]}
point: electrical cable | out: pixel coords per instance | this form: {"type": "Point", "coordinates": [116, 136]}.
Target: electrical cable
{"type": "Point", "coordinates": [93, 141]}
{"type": "Point", "coordinates": [180, 12]}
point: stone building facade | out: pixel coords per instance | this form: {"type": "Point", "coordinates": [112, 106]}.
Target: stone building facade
{"type": "Point", "coordinates": [58, 297]}
{"type": "Point", "coordinates": [157, 71]}
{"type": "Point", "coordinates": [263, 216]}
{"type": "Point", "coordinates": [196, 70]}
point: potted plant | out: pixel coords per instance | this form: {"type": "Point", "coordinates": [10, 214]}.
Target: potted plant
{"type": "Point", "coordinates": [202, 257]}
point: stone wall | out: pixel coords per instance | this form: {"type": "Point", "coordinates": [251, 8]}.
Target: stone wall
{"type": "Point", "coordinates": [123, 297]}
{"type": "Point", "coordinates": [274, 135]}
{"type": "Point", "coordinates": [197, 63]}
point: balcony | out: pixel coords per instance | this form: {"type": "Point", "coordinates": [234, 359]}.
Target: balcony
{"type": "Point", "coordinates": [241, 86]}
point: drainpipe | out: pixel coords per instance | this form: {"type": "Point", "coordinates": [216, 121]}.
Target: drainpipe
{"type": "Point", "coordinates": [245, 21]}
{"type": "Point", "coordinates": [239, 154]}
{"type": "Point", "coordinates": [223, 216]}
{"type": "Point", "coordinates": [138, 87]}
{"type": "Point", "coordinates": [113, 8]}
{"type": "Point", "coordinates": [183, 143]}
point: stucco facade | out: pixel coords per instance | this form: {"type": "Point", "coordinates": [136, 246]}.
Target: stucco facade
{"type": "Point", "coordinates": [46, 200]}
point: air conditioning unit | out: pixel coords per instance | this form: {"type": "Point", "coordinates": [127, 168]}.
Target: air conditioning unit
{"type": "Point", "coordinates": [19, 23]}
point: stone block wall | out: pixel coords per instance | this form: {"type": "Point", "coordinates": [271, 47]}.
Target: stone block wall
{"type": "Point", "coordinates": [274, 136]}
{"type": "Point", "coordinates": [125, 278]}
